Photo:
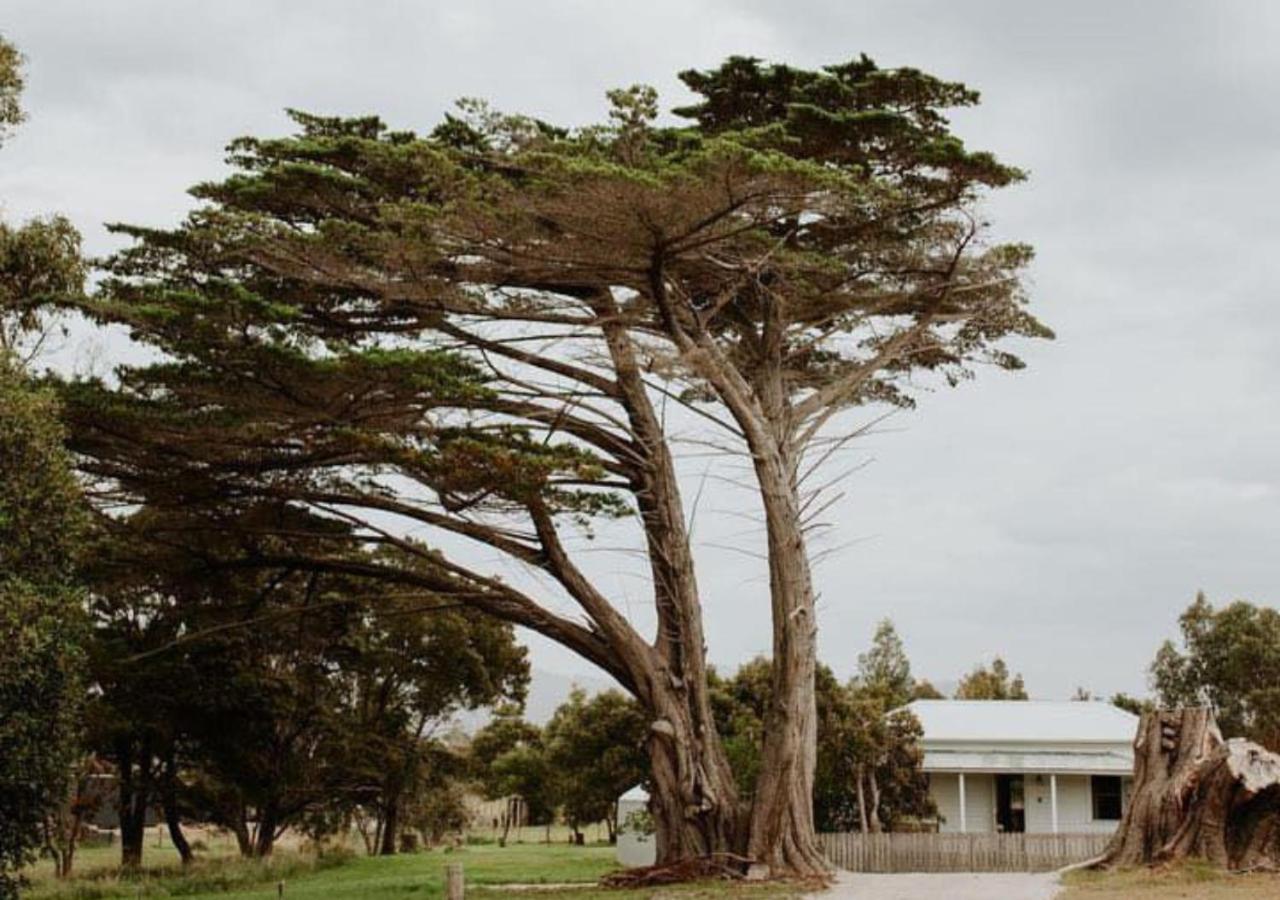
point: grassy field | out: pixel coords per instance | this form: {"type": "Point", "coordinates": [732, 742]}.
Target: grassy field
{"type": "Point", "coordinates": [1189, 881]}
{"type": "Point", "coordinates": [490, 871]}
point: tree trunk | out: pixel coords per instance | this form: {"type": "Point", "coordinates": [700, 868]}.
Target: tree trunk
{"type": "Point", "coordinates": [1198, 796]}
{"type": "Point", "coordinates": [863, 824]}
{"type": "Point", "coordinates": [132, 835]}
{"type": "Point", "coordinates": [243, 839]}
{"type": "Point", "coordinates": [693, 798]}
{"type": "Point", "coordinates": [390, 824]}
{"type": "Point", "coordinates": [173, 821]}
{"type": "Point", "coordinates": [266, 837]}
{"type": "Point", "coordinates": [133, 766]}
{"type": "Point", "coordinates": [874, 805]}
{"type": "Point", "coordinates": [506, 825]}
{"type": "Point", "coordinates": [172, 816]}
{"type": "Point", "coordinates": [783, 839]}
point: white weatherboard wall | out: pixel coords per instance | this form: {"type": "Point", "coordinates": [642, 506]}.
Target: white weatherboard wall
{"type": "Point", "coordinates": [979, 801]}
{"type": "Point", "coordinates": [636, 847]}
{"type": "Point", "coordinates": [1075, 804]}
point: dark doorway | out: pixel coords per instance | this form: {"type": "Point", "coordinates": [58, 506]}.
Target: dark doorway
{"type": "Point", "coordinates": [1011, 804]}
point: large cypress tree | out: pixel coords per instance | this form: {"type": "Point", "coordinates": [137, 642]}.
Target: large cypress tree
{"type": "Point", "coordinates": [475, 332]}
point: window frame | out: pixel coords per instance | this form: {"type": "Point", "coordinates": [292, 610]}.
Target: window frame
{"type": "Point", "coordinates": [1107, 795]}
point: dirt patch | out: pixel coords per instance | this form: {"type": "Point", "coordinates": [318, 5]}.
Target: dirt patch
{"type": "Point", "coordinates": [951, 885]}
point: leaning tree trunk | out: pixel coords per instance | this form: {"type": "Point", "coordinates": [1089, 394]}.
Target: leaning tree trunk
{"type": "Point", "coordinates": [172, 814]}
{"type": "Point", "coordinates": [693, 797]}
{"type": "Point", "coordinates": [1198, 796]}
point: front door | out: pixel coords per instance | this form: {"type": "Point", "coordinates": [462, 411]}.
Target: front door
{"type": "Point", "coordinates": [1011, 804]}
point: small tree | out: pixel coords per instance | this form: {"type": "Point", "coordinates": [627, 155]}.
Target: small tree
{"type": "Point", "coordinates": [1230, 661]}
{"type": "Point", "coordinates": [992, 683]}
{"type": "Point", "coordinates": [868, 774]}
{"type": "Point", "coordinates": [885, 669]}
{"type": "Point", "coordinates": [502, 755]}
{"type": "Point", "coordinates": [596, 748]}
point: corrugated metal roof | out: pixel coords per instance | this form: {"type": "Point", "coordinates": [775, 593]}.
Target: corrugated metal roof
{"type": "Point", "coordinates": [1101, 762]}
{"type": "Point", "coordinates": [1033, 721]}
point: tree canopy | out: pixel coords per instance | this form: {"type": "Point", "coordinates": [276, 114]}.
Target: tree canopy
{"type": "Point", "coordinates": [11, 85]}
{"type": "Point", "coordinates": [991, 683]}
{"type": "Point", "coordinates": [41, 522]}
{"type": "Point", "coordinates": [268, 698]}
{"type": "Point", "coordinates": [1229, 660]}
{"type": "Point", "coordinates": [595, 746]}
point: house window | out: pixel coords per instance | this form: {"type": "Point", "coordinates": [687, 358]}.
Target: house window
{"type": "Point", "coordinates": [1107, 803]}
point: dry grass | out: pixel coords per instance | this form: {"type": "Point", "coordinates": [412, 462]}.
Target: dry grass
{"type": "Point", "coordinates": [1192, 880]}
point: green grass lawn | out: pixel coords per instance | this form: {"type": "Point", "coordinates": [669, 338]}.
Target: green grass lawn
{"type": "Point", "coordinates": [419, 875]}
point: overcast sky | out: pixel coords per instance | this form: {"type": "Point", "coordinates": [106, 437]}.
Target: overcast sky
{"type": "Point", "coordinates": [1061, 516]}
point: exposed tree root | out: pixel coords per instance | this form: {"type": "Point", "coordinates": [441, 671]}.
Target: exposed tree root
{"type": "Point", "coordinates": [726, 866]}
{"type": "Point", "coordinates": [716, 866]}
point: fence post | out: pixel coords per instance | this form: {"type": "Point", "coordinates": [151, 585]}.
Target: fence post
{"type": "Point", "coordinates": [454, 887]}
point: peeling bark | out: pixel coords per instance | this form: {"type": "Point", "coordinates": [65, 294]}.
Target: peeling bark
{"type": "Point", "coordinates": [1198, 796]}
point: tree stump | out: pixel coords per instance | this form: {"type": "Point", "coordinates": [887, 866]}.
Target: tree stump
{"type": "Point", "coordinates": [1196, 795]}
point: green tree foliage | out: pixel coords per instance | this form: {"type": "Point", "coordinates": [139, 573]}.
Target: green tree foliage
{"type": "Point", "coordinates": [991, 683]}
{"type": "Point", "coordinates": [40, 265]}
{"type": "Point", "coordinates": [877, 751]}
{"type": "Point", "coordinates": [1230, 660]}
{"type": "Point", "coordinates": [41, 522]}
{"type": "Point", "coordinates": [884, 671]}
{"type": "Point", "coordinates": [868, 774]}
{"type": "Point", "coordinates": [1135, 705]}
{"type": "Point", "coordinates": [509, 761]}
{"type": "Point", "coordinates": [505, 731]}
{"type": "Point", "coordinates": [264, 697]}
{"type": "Point", "coordinates": [924, 690]}
{"type": "Point", "coordinates": [11, 84]}
{"type": "Point", "coordinates": [40, 261]}
{"type": "Point", "coordinates": [596, 748]}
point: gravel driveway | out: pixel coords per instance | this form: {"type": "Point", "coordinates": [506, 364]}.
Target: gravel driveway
{"type": "Point", "coordinates": [943, 886]}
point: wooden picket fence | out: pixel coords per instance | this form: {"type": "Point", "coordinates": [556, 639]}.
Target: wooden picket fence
{"type": "Point", "coordinates": [960, 852]}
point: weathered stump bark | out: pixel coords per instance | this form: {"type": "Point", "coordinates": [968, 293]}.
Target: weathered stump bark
{"type": "Point", "coordinates": [1197, 795]}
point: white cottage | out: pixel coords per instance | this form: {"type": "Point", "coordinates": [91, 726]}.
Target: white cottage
{"type": "Point", "coordinates": [1027, 765]}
